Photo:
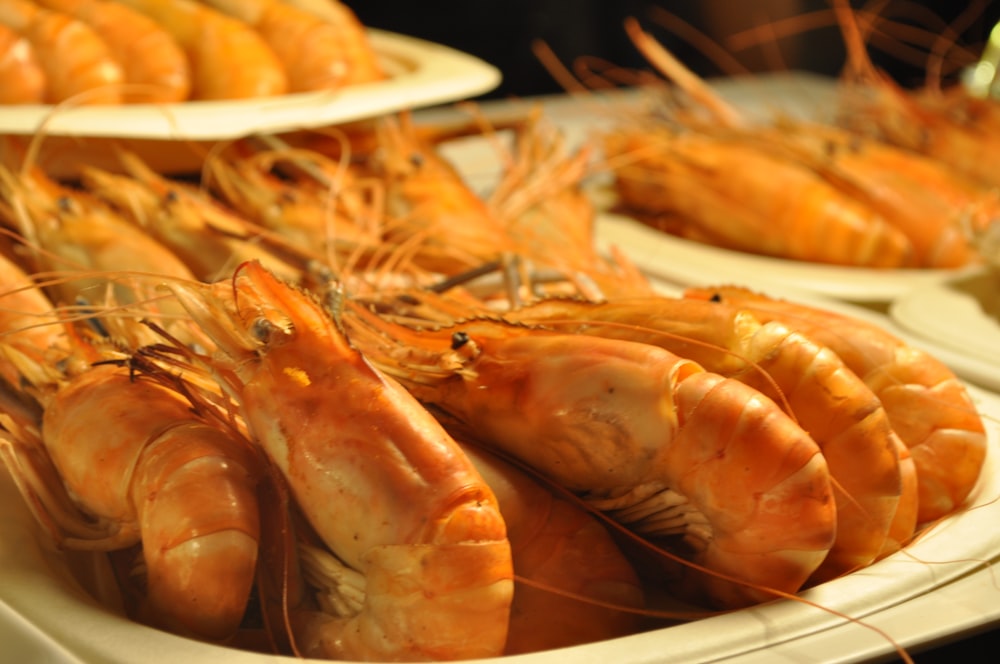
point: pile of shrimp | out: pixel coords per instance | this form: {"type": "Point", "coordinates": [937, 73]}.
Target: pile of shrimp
{"type": "Point", "coordinates": [807, 191]}
{"type": "Point", "coordinates": [167, 51]}
{"type": "Point", "coordinates": [327, 405]}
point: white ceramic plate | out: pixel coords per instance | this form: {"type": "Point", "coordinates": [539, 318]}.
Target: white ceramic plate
{"type": "Point", "coordinates": [689, 263]}
{"type": "Point", "coordinates": [960, 320]}
{"type": "Point", "coordinates": [421, 74]}
{"type": "Point", "coordinates": [935, 588]}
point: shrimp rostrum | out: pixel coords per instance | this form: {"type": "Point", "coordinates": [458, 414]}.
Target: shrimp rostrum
{"type": "Point", "coordinates": [704, 466]}
{"type": "Point", "coordinates": [383, 485]}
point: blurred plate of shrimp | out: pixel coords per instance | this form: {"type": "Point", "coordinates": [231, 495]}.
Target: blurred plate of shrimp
{"type": "Point", "coordinates": [420, 74]}
{"type": "Point", "coordinates": [689, 263]}
{"type": "Point", "coordinates": [49, 610]}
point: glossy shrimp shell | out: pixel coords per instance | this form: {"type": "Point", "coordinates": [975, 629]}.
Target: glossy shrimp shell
{"type": "Point", "coordinates": [76, 61]}
{"type": "Point", "coordinates": [832, 404]}
{"type": "Point", "coordinates": [157, 475]}
{"type": "Point", "coordinates": [768, 204]}
{"type": "Point", "coordinates": [22, 79]}
{"type": "Point", "coordinates": [928, 406]}
{"type": "Point", "coordinates": [317, 54]}
{"type": "Point", "coordinates": [380, 481]}
{"type": "Point", "coordinates": [227, 59]}
{"type": "Point", "coordinates": [154, 68]}
{"type": "Point", "coordinates": [573, 584]}
{"type": "Point", "coordinates": [627, 425]}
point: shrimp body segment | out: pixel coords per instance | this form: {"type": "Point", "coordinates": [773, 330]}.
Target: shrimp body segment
{"type": "Point", "coordinates": [928, 407]}
{"type": "Point", "coordinates": [768, 205]}
{"type": "Point", "coordinates": [227, 59]}
{"type": "Point", "coordinates": [73, 57]}
{"type": "Point", "coordinates": [832, 404]}
{"type": "Point", "coordinates": [154, 68]}
{"type": "Point", "coordinates": [656, 441]}
{"type": "Point", "coordinates": [143, 468]}
{"type": "Point", "coordinates": [560, 546]}
{"type": "Point", "coordinates": [317, 54]}
{"type": "Point", "coordinates": [22, 80]}
{"type": "Point", "coordinates": [380, 481]}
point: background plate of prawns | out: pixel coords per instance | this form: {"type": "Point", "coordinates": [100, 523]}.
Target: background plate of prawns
{"type": "Point", "coordinates": [60, 607]}
{"type": "Point", "coordinates": [420, 73]}
{"type": "Point", "coordinates": [585, 117]}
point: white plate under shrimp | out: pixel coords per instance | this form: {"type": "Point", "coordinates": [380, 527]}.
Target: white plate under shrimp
{"type": "Point", "coordinates": [939, 587]}
{"type": "Point", "coordinates": [421, 74]}
{"type": "Point", "coordinates": [959, 319]}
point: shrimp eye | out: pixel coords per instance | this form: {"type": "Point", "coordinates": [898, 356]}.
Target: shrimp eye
{"type": "Point", "coordinates": [65, 204]}
{"type": "Point", "coordinates": [171, 197]}
{"type": "Point", "coordinates": [459, 339]}
{"type": "Point", "coordinates": [268, 332]}
{"type": "Point", "coordinates": [716, 297]}
{"type": "Point", "coordinates": [417, 159]}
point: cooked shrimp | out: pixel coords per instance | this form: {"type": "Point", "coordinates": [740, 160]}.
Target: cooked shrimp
{"type": "Point", "coordinates": [541, 204]}
{"type": "Point", "coordinates": [160, 476]}
{"type": "Point", "coordinates": [68, 230]}
{"type": "Point", "coordinates": [917, 196]}
{"type": "Point", "coordinates": [427, 201]}
{"type": "Point", "coordinates": [838, 410]}
{"type": "Point", "coordinates": [210, 239]}
{"type": "Point", "coordinates": [875, 104]}
{"type": "Point", "coordinates": [28, 323]}
{"type": "Point", "coordinates": [22, 80]}
{"type": "Point", "coordinates": [380, 481]}
{"type": "Point", "coordinates": [227, 59]}
{"type": "Point", "coordinates": [928, 407]}
{"type": "Point", "coordinates": [325, 218]}
{"type": "Point", "coordinates": [76, 61]}
{"type": "Point", "coordinates": [365, 64]}
{"type": "Point", "coordinates": [155, 70]}
{"type": "Point", "coordinates": [558, 547]}
{"type": "Point", "coordinates": [317, 53]}
{"type": "Point", "coordinates": [678, 454]}
{"type": "Point", "coordinates": [735, 195]}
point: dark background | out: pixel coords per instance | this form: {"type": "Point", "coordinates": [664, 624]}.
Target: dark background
{"type": "Point", "coordinates": [502, 33]}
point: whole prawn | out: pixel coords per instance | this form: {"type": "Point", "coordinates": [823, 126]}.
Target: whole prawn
{"type": "Point", "coordinates": [928, 407]}
{"type": "Point", "coordinates": [384, 486]}
{"type": "Point", "coordinates": [317, 53]}
{"type": "Point", "coordinates": [160, 476]}
{"type": "Point", "coordinates": [209, 238]}
{"type": "Point", "coordinates": [677, 453]}
{"type": "Point", "coordinates": [227, 59]}
{"type": "Point", "coordinates": [75, 60]}
{"type": "Point", "coordinates": [155, 69]}
{"type": "Point", "coordinates": [832, 404]}
{"type": "Point", "coordinates": [68, 230]}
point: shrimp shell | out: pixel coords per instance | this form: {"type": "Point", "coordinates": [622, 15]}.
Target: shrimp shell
{"type": "Point", "coordinates": [832, 404]}
{"type": "Point", "coordinates": [22, 80]}
{"type": "Point", "coordinates": [155, 70]}
{"type": "Point", "coordinates": [76, 61]}
{"type": "Point", "coordinates": [317, 54]}
{"type": "Point", "coordinates": [227, 59]}
{"type": "Point", "coordinates": [626, 425]}
{"type": "Point", "coordinates": [928, 407]}
{"type": "Point", "coordinates": [378, 478]}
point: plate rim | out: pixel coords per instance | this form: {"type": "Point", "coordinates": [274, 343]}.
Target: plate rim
{"type": "Point", "coordinates": [442, 74]}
